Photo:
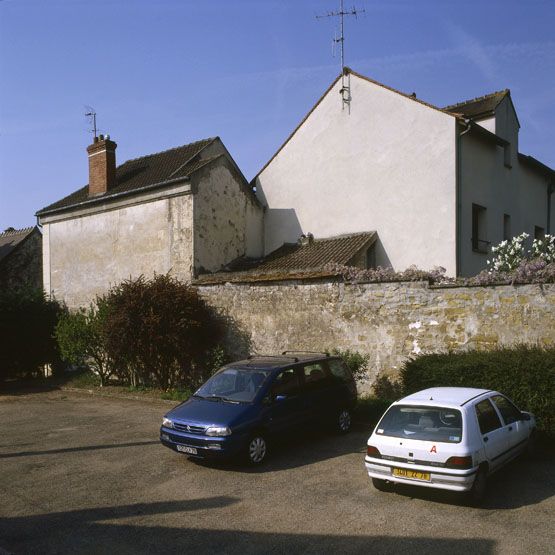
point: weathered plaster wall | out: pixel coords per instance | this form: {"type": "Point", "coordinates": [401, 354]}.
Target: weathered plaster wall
{"type": "Point", "coordinates": [86, 255]}
{"type": "Point", "coordinates": [390, 322]}
{"type": "Point", "coordinates": [387, 165]}
{"type": "Point", "coordinates": [228, 220]}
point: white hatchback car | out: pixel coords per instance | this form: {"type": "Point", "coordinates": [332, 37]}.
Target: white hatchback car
{"type": "Point", "coordinates": [449, 438]}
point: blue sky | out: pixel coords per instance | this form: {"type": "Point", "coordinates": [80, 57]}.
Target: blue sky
{"type": "Point", "coordinates": [162, 73]}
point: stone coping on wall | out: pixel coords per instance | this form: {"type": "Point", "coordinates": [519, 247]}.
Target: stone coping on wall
{"type": "Point", "coordinates": [238, 278]}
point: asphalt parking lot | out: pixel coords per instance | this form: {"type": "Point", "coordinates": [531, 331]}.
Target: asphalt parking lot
{"type": "Point", "coordinates": [83, 474]}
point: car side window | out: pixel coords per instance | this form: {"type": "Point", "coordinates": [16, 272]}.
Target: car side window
{"type": "Point", "coordinates": [508, 411]}
{"type": "Point", "coordinates": [487, 417]}
{"type": "Point", "coordinates": [339, 370]}
{"type": "Point", "coordinates": [314, 375]}
{"type": "Point", "coordinates": [286, 383]}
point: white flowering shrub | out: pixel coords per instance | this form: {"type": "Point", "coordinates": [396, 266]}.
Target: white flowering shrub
{"type": "Point", "coordinates": [508, 254]}
{"type": "Point", "coordinates": [544, 249]}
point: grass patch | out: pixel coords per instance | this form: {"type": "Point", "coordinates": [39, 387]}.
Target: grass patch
{"type": "Point", "coordinates": [176, 395]}
{"type": "Point", "coordinates": [82, 379]}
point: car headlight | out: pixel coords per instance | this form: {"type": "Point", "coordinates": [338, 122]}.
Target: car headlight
{"type": "Point", "coordinates": [167, 423]}
{"type": "Point", "coordinates": [217, 431]}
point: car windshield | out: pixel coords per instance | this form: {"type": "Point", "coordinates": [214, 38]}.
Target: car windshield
{"type": "Point", "coordinates": [233, 384]}
{"type": "Point", "coordinates": [439, 424]}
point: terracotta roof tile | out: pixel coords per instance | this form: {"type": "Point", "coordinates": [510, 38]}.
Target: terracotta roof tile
{"type": "Point", "coordinates": [142, 172]}
{"type": "Point", "coordinates": [296, 261]}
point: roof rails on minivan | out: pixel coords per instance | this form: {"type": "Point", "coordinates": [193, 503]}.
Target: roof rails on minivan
{"type": "Point", "coordinates": [250, 357]}
{"type": "Point", "coordinates": [308, 352]}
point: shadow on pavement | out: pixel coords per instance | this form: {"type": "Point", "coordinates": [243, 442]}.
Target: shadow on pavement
{"type": "Point", "coordinates": [303, 449]}
{"type": "Point", "coordinates": [76, 449]}
{"type": "Point", "coordinates": [519, 484]}
{"type": "Point", "coordinates": [96, 530]}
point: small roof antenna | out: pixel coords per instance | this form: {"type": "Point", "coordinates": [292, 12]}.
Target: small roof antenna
{"type": "Point", "coordinates": [345, 90]}
{"type": "Point", "coordinates": [91, 114]}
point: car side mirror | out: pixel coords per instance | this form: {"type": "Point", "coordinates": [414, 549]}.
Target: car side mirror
{"type": "Point", "coordinates": [525, 416]}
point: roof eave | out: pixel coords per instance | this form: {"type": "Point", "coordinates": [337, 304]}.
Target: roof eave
{"type": "Point", "coordinates": [115, 196]}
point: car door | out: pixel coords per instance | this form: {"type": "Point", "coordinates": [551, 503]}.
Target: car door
{"type": "Point", "coordinates": [319, 390]}
{"type": "Point", "coordinates": [516, 429]}
{"type": "Point", "coordinates": [286, 404]}
{"type": "Point", "coordinates": [494, 435]}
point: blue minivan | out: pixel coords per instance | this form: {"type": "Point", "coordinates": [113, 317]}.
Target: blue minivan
{"type": "Point", "coordinates": [246, 403]}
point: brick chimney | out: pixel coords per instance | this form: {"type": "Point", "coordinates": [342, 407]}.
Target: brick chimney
{"type": "Point", "coordinates": [102, 165]}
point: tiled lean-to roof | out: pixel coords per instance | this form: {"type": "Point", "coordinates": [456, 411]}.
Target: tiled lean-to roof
{"type": "Point", "coordinates": [296, 260]}
{"type": "Point", "coordinates": [11, 238]}
{"type": "Point", "coordinates": [478, 107]}
{"type": "Point", "coordinates": [141, 172]}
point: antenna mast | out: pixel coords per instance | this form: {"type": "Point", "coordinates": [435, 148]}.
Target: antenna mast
{"type": "Point", "coordinates": [345, 90]}
{"type": "Point", "coordinates": [92, 115]}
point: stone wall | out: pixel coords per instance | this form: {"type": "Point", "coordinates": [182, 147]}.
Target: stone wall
{"type": "Point", "coordinates": [389, 321]}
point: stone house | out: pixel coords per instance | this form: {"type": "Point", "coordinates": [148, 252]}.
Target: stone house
{"type": "Point", "coordinates": [21, 258]}
{"type": "Point", "coordinates": [438, 185]}
{"type": "Point", "coordinates": [185, 211]}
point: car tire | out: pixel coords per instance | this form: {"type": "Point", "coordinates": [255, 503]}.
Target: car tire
{"type": "Point", "coordinates": [343, 421]}
{"type": "Point", "coordinates": [256, 450]}
{"type": "Point", "coordinates": [477, 494]}
{"type": "Point", "coordinates": [382, 485]}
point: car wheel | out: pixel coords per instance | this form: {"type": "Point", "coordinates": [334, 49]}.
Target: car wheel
{"type": "Point", "coordinates": [257, 449]}
{"type": "Point", "coordinates": [382, 485]}
{"type": "Point", "coordinates": [478, 492]}
{"type": "Point", "coordinates": [343, 421]}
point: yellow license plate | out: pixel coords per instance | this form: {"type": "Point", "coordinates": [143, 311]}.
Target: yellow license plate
{"type": "Point", "coordinates": [411, 474]}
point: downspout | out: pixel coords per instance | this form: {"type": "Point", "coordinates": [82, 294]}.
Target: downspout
{"type": "Point", "coordinates": [550, 189]}
{"type": "Point", "coordinates": [458, 194]}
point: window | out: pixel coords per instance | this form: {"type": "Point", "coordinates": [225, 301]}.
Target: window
{"type": "Point", "coordinates": [487, 417]}
{"type": "Point", "coordinates": [507, 227]}
{"type": "Point", "coordinates": [539, 232]}
{"type": "Point", "coordinates": [421, 422]}
{"type": "Point", "coordinates": [287, 383]}
{"type": "Point", "coordinates": [339, 370]}
{"type": "Point", "coordinates": [314, 376]}
{"type": "Point", "coordinates": [508, 411]}
{"type": "Point", "coordinates": [371, 257]}
{"type": "Point", "coordinates": [479, 243]}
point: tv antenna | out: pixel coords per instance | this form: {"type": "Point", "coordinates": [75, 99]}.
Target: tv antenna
{"type": "Point", "coordinates": [91, 114]}
{"type": "Point", "coordinates": [345, 90]}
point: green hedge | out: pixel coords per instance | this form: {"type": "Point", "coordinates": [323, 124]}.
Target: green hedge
{"type": "Point", "coordinates": [524, 374]}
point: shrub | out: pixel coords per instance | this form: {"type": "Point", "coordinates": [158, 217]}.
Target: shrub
{"type": "Point", "coordinates": [27, 322]}
{"type": "Point", "coordinates": [356, 362]}
{"type": "Point", "coordinates": [387, 389]}
{"type": "Point", "coordinates": [508, 254]}
{"type": "Point", "coordinates": [158, 331]}
{"type": "Point", "coordinates": [82, 340]}
{"type": "Point", "coordinates": [525, 374]}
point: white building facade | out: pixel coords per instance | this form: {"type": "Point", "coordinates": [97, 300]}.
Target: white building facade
{"type": "Point", "coordinates": [438, 185]}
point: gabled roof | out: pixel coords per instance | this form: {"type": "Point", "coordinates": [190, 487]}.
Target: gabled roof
{"type": "Point", "coordinates": [480, 107]}
{"type": "Point", "coordinates": [12, 238]}
{"type": "Point", "coordinates": [138, 173]}
{"type": "Point", "coordinates": [296, 260]}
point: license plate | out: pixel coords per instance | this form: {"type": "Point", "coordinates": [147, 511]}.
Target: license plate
{"type": "Point", "coordinates": [188, 450]}
{"type": "Point", "coordinates": [411, 474]}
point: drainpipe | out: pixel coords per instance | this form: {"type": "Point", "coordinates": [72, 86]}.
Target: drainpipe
{"type": "Point", "coordinates": [550, 189]}
{"type": "Point", "coordinates": [458, 194]}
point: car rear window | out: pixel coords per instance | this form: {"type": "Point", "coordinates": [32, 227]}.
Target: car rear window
{"type": "Point", "coordinates": [440, 424]}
